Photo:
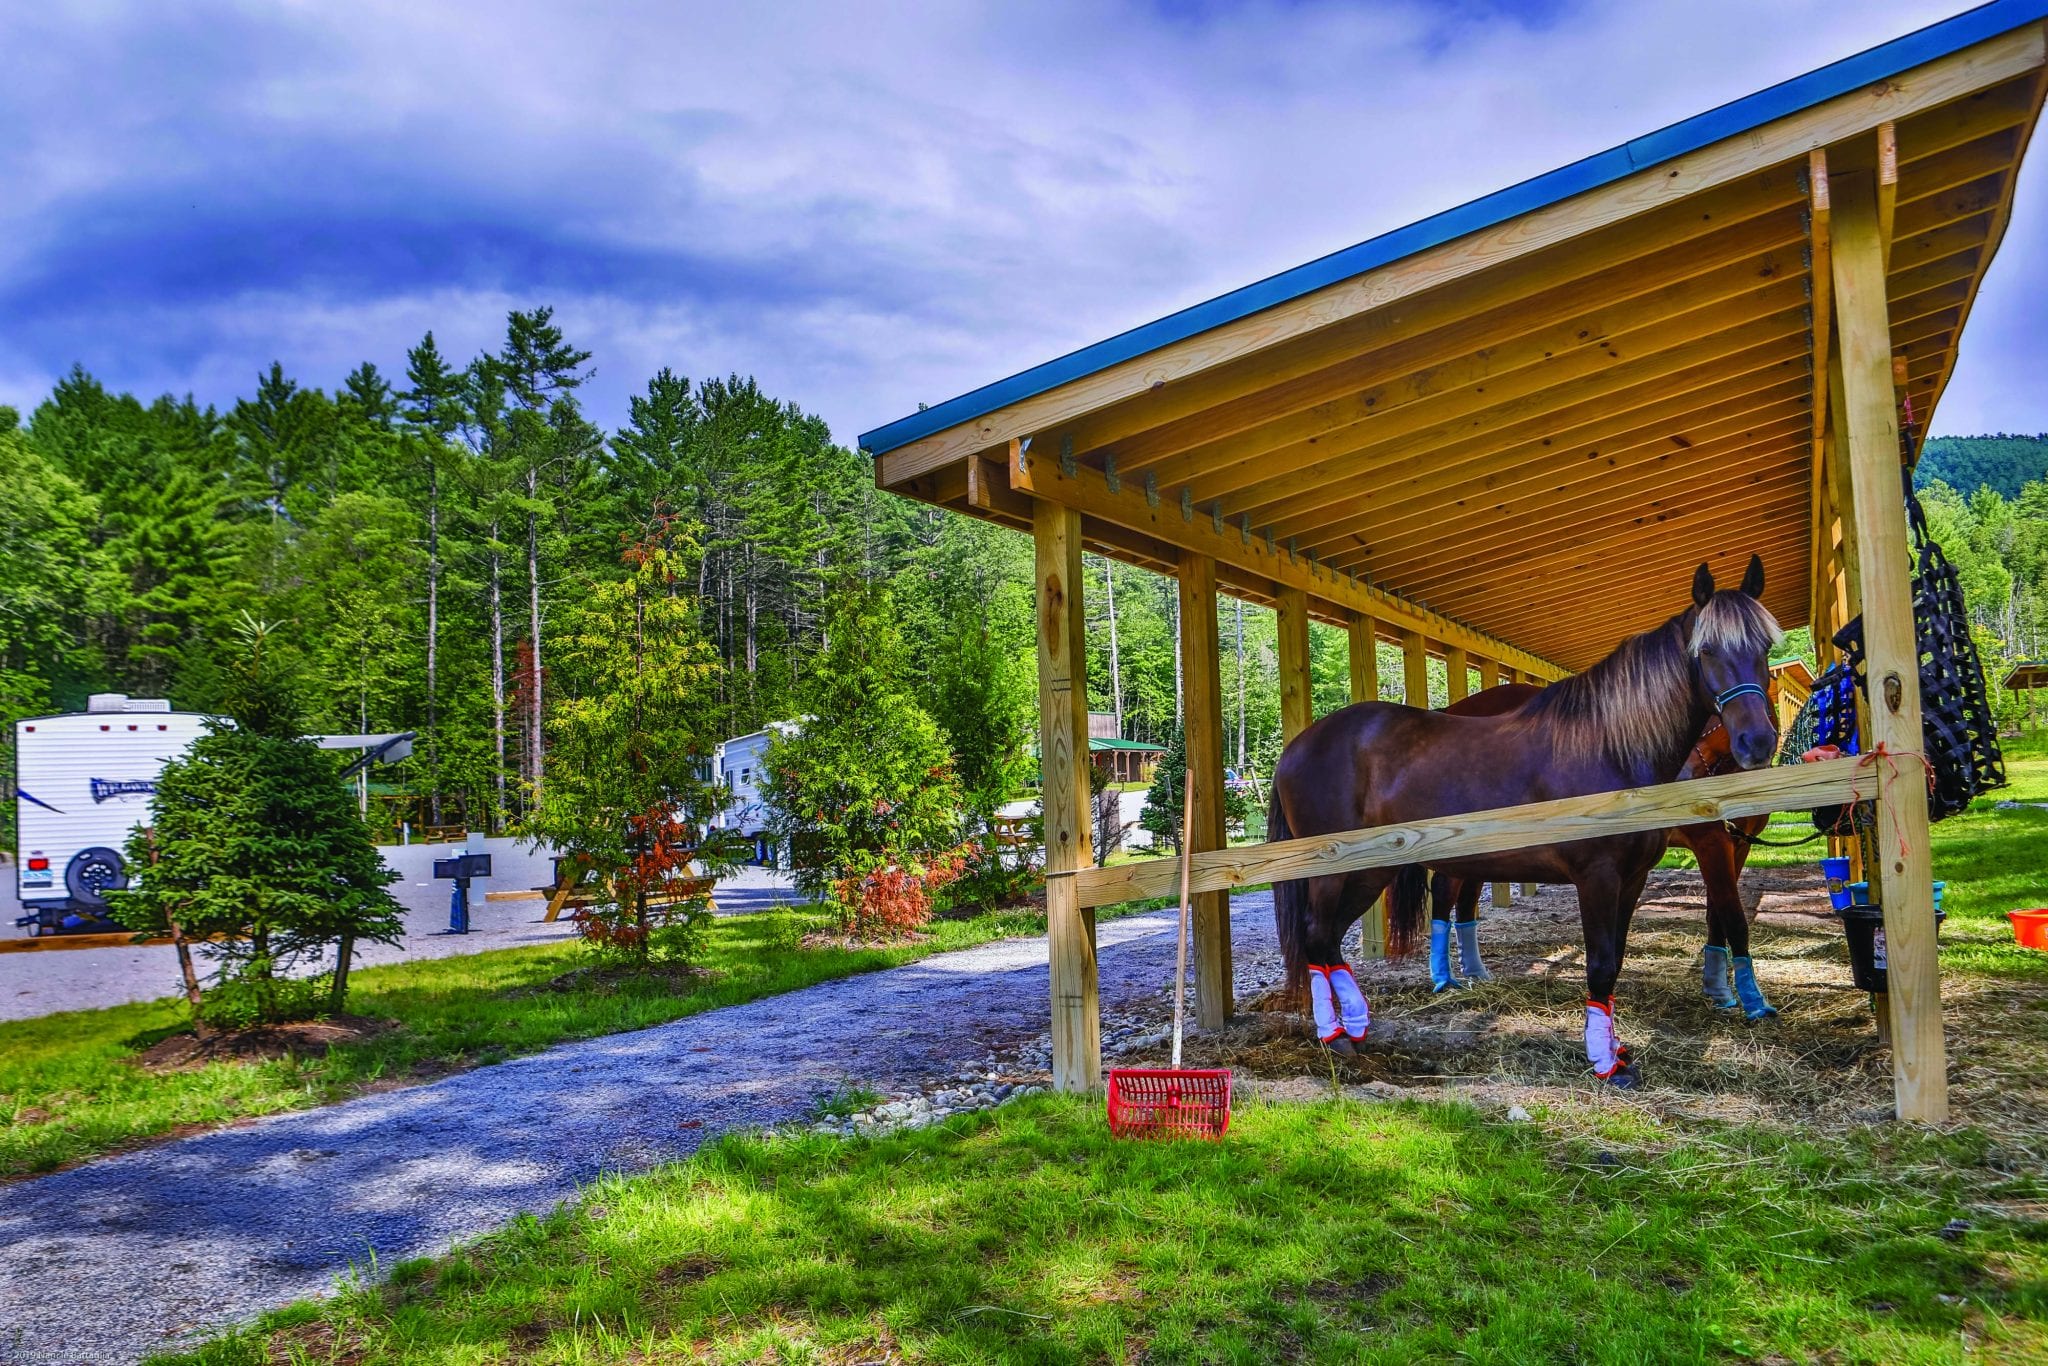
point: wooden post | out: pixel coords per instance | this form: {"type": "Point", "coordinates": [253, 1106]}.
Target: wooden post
{"type": "Point", "coordinates": [1457, 672]}
{"type": "Point", "coordinates": [1063, 764]}
{"type": "Point", "coordinates": [1489, 677]}
{"type": "Point", "coordinates": [1365, 659]}
{"type": "Point", "coordinates": [1201, 670]}
{"type": "Point", "coordinates": [1297, 693]}
{"type": "Point", "coordinates": [1868, 422]}
{"type": "Point", "coordinates": [1365, 687]}
{"type": "Point", "coordinates": [1414, 670]}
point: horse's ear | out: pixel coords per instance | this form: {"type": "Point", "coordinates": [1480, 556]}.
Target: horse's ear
{"type": "Point", "coordinates": [1702, 585]}
{"type": "Point", "coordinates": [1753, 577]}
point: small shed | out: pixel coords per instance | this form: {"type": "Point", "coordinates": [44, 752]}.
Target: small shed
{"type": "Point", "coordinates": [1791, 685]}
{"type": "Point", "coordinates": [1503, 436]}
{"type": "Point", "coordinates": [2026, 676]}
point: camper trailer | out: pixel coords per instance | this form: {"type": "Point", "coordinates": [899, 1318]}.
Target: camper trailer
{"type": "Point", "coordinates": [81, 783]}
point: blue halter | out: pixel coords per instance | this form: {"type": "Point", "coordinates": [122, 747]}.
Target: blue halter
{"type": "Point", "coordinates": [1727, 695]}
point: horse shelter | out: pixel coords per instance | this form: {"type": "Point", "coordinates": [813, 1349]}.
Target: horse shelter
{"type": "Point", "coordinates": [1504, 436]}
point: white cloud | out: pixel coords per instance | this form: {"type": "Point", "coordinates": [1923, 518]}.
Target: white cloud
{"type": "Point", "coordinates": [867, 206]}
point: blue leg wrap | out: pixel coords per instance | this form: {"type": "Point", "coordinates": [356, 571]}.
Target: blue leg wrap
{"type": "Point", "coordinates": [1468, 952]}
{"type": "Point", "coordinates": [1440, 977]}
{"type": "Point", "coordinates": [1714, 978]}
{"type": "Point", "coordinates": [1753, 1003]}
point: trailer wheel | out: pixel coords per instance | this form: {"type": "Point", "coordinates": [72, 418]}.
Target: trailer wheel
{"type": "Point", "coordinates": [91, 874]}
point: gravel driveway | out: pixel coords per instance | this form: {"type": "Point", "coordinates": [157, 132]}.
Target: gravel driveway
{"type": "Point", "coordinates": [104, 1263]}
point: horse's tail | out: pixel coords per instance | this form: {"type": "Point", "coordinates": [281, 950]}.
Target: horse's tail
{"type": "Point", "coordinates": [1290, 907]}
{"type": "Point", "coordinates": [1406, 901]}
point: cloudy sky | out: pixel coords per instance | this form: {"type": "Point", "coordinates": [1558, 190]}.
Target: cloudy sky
{"type": "Point", "coordinates": [865, 205]}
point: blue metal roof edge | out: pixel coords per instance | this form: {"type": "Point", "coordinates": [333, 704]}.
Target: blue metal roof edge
{"type": "Point", "coordinates": [1688, 135]}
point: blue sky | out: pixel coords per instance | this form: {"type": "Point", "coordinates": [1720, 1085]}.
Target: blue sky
{"type": "Point", "coordinates": [866, 205]}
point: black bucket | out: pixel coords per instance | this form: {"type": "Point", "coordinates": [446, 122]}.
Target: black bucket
{"type": "Point", "coordinates": [1864, 927]}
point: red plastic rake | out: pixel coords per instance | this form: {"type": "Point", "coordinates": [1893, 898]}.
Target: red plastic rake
{"type": "Point", "coordinates": [1176, 1101]}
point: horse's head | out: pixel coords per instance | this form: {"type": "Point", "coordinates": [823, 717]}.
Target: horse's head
{"type": "Point", "coordinates": [1731, 640]}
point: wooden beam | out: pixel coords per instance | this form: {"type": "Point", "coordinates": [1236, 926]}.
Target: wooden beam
{"type": "Point", "coordinates": [1201, 672]}
{"type": "Point", "coordinates": [1365, 659]}
{"type": "Point", "coordinates": [1870, 428]}
{"type": "Point", "coordinates": [1297, 691]}
{"type": "Point", "coordinates": [1477, 363]}
{"type": "Point", "coordinates": [1248, 475]}
{"type": "Point", "coordinates": [1794, 787]}
{"type": "Point", "coordinates": [1063, 765]}
{"type": "Point", "coordinates": [1887, 188]}
{"type": "Point", "coordinates": [1457, 673]}
{"type": "Point", "coordinates": [1678, 179]}
{"type": "Point", "coordinates": [1454, 455]}
{"type": "Point", "coordinates": [1414, 670]}
{"type": "Point", "coordinates": [1198, 528]}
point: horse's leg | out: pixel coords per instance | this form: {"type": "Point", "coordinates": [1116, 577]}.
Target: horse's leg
{"type": "Point", "coordinates": [1468, 932]}
{"type": "Point", "coordinates": [1444, 890]}
{"type": "Point", "coordinates": [1735, 922]}
{"type": "Point", "coordinates": [1605, 926]}
{"type": "Point", "coordinates": [1334, 904]}
{"type": "Point", "coordinates": [1709, 847]}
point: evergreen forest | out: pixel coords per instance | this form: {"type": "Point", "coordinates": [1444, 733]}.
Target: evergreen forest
{"type": "Point", "coordinates": [414, 541]}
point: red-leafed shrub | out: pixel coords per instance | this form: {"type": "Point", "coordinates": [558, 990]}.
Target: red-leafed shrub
{"type": "Point", "coordinates": [888, 901]}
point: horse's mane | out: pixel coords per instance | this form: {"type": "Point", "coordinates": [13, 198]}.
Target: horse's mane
{"type": "Point", "coordinates": [1636, 704]}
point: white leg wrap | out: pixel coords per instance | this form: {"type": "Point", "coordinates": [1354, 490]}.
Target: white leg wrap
{"type": "Point", "coordinates": [1351, 1008]}
{"type": "Point", "coordinates": [1319, 996]}
{"type": "Point", "coordinates": [1602, 1050]}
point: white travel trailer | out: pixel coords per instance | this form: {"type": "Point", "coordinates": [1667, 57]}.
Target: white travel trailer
{"type": "Point", "coordinates": [81, 783]}
{"type": "Point", "coordinates": [739, 764]}
{"type": "Point", "coordinates": [83, 780]}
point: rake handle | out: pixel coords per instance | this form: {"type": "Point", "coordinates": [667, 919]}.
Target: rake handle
{"type": "Point", "coordinates": [1180, 966]}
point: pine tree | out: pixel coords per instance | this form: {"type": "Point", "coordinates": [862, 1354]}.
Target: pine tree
{"type": "Point", "coordinates": [252, 838]}
{"type": "Point", "coordinates": [632, 803]}
{"type": "Point", "coordinates": [865, 785]}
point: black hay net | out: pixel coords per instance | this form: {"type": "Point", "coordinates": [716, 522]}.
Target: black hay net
{"type": "Point", "coordinates": [1959, 736]}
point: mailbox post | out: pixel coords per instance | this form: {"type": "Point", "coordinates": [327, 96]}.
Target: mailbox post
{"type": "Point", "coordinates": [461, 869]}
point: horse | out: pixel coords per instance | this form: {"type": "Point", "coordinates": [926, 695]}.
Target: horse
{"type": "Point", "coordinates": [1628, 721]}
{"type": "Point", "coordinates": [1721, 848]}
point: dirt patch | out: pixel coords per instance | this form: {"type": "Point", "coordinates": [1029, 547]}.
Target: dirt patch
{"type": "Point", "coordinates": [301, 1038]}
{"type": "Point", "coordinates": [839, 939]}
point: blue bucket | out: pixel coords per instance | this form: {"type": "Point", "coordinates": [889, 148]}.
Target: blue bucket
{"type": "Point", "coordinates": [1836, 871]}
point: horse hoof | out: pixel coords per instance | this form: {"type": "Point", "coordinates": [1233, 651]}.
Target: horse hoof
{"type": "Point", "coordinates": [1767, 1013]}
{"type": "Point", "coordinates": [1453, 985]}
{"type": "Point", "coordinates": [1724, 1005]}
{"type": "Point", "coordinates": [1342, 1047]}
{"type": "Point", "coordinates": [1625, 1078]}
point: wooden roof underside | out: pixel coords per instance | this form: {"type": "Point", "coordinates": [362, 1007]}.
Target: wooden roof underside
{"type": "Point", "coordinates": [1535, 431]}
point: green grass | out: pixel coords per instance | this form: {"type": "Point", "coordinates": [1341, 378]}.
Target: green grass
{"type": "Point", "coordinates": [70, 1089]}
{"type": "Point", "coordinates": [1335, 1231]}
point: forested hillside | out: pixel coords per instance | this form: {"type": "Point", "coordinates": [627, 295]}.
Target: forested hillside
{"type": "Point", "coordinates": [1967, 463]}
{"type": "Point", "coordinates": [415, 536]}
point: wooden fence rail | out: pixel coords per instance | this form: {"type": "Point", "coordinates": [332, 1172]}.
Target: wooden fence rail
{"type": "Point", "coordinates": [1733, 795]}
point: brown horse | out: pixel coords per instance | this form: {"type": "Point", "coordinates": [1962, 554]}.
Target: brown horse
{"type": "Point", "coordinates": [1721, 848]}
{"type": "Point", "coordinates": [1629, 721]}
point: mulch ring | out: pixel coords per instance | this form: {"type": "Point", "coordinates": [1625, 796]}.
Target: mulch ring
{"type": "Point", "coordinates": [301, 1038]}
{"type": "Point", "coordinates": [1517, 1039]}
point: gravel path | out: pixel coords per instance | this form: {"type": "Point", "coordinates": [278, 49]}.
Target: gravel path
{"type": "Point", "coordinates": [50, 980]}
{"type": "Point", "coordinates": [120, 1257]}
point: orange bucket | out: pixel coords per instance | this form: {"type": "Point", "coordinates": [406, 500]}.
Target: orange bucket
{"type": "Point", "coordinates": [2030, 928]}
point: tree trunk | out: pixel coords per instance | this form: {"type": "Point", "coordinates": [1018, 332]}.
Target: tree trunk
{"type": "Point", "coordinates": [497, 678]}
{"type": "Point", "coordinates": [433, 638]}
{"type": "Point", "coordinates": [1116, 673]}
{"type": "Point", "coordinates": [1240, 681]}
{"type": "Point", "coordinates": [338, 994]}
{"type": "Point", "coordinates": [534, 746]}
